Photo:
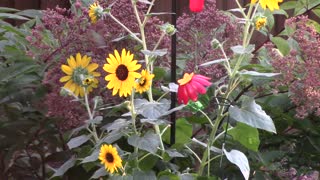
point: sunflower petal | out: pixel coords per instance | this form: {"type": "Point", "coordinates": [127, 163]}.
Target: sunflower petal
{"type": "Point", "coordinates": [66, 69]}
{"type": "Point", "coordinates": [92, 67]}
{"type": "Point", "coordinates": [85, 61]}
{"type": "Point", "coordinates": [65, 78]}
{"type": "Point", "coordinates": [116, 53]}
{"type": "Point", "coordinates": [71, 62]}
{"type": "Point", "coordinates": [78, 59]}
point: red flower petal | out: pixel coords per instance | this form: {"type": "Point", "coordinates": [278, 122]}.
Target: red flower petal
{"type": "Point", "coordinates": [182, 95]}
{"type": "Point", "coordinates": [196, 5]}
{"type": "Point", "coordinates": [192, 93]}
{"type": "Point", "coordinates": [199, 87]}
{"type": "Point", "coordinates": [201, 80]}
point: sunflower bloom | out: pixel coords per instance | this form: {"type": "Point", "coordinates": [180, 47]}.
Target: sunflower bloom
{"type": "Point", "coordinates": [144, 82]}
{"type": "Point", "coordinates": [79, 70]}
{"type": "Point", "coordinates": [270, 4]}
{"type": "Point", "coordinates": [122, 72]}
{"type": "Point", "coordinates": [190, 86]}
{"type": "Point", "coordinates": [109, 157]}
{"type": "Point", "coordinates": [260, 22]}
{"type": "Point", "coordinates": [95, 12]}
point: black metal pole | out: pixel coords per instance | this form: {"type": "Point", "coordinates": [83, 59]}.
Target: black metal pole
{"type": "Point", "coordinates": [173, 72]}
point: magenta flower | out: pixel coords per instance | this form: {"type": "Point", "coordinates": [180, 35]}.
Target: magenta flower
{"type": "Point", "coordinates": [196, 5]}
{"type": "Point", "coordinates": [190, 86]}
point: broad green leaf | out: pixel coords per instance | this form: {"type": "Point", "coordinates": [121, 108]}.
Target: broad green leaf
{"type": "Point", "coordinates": [216, 61]}
{"type": "Point", "coordinates": [288, 5]}
{"type": "Point", "coordinates": [252, 114]}
{"type": "Point", "coordinates": [174, 153]}
{"type": "Point", "coordinates": [246, 135]}
{"type": "Point", "coordinates": [152, 110]}
{"type": "Point", "coordinates": [93, 157]}
{"type": "Point", "coordinates": [12, 16]}
{"type": "Point", "coordinates": [242, 50]}
{"type": "Point", "coordinates": [239, 159]}
{"type": "Point", "coordinates": [99, 173]}
{"type": "Point", "coordinates": [32, 13]}
{"type": "Point", "coordinates": [167, 175]}
{"type": "Point", "coordinates": [148, 163]}
{"type": "Point", "coordinates": [65, 167]}
{"type": "Point", "coordinates": [159, 52]}
{"type": "Point", "coordinates": [149, 142]}
{"type": "Point", "coordinates": [6, 9]}
{"type": "Point", "coordinates": [183, 132]}
{"type": "Point", "coordinates": [254, 73]}
{"type": "Point", "coordinates": [142, 175]}
{"type": "Point", "coordinates": [78, 141]}
{"type": "Point", "coordinates": [281, 44]}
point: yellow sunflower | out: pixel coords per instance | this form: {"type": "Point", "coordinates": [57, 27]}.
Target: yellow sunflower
{"type": "Point", "coordinates": [144, 82]}
{"type": "Point", "coordinates": [261, 22]}
{"type": "Point", "coordinates": [271, 4]}
{"type": "Point", "coordinates": [109, 157]}
{"type": "Point", "coordinates": [122, 72]}
{"type": "Point", "coordinates": [95, 12]}
{"type": "Point", "coordinates": [80, 74]}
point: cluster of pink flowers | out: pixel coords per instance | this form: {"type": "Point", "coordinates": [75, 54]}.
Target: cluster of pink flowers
{"type": "Point", "coordinates": [195, 33]}
{"type": "Point", "coordinates": [63, 33]}
{"type": "Point", "coordinates": [300, 69]}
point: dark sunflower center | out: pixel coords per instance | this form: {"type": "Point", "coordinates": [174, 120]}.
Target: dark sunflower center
{"type": "Point", "coordinates": [142, 82]}
{"type": "Point", "coordinates": [77, 73]}
{"type": "Point", "coordinates": [109, 157]}
{"type": "Point", "coordinates": [122, 72]}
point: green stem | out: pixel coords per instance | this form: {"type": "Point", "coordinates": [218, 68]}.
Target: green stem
{"type": "Point", "coordinates": [94, 131]}
{"type": "Point", "coordinates": [157, 129]}
{"type": "Point", "coordinates": [125, 28]}
{"type": "Point", "coordinates": [195, 155]}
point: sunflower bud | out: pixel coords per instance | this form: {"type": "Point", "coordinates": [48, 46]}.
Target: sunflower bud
{"type": "Point", "coordinates": [169, 29]}
{"type": "Point", "coordinates": [260, 22]}
{"type": "Point", "coordinates": [215, 43]}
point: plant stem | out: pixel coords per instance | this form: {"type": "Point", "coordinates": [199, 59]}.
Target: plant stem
{"type": "Point", "coordinates": [94, 131]}
{"type": "Point", "coordinates": [125, 28]}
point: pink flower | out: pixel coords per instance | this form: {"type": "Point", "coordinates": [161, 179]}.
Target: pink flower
{"type": "Point", "coordinates": [196, 5]}
{"type": "Point", "coordinates": [190, 86]}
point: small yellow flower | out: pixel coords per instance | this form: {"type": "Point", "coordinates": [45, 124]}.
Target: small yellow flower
{"type": "Point", "coordinates": [109, 157]}
{"type": "Point", "coordinates": [95, 12]}
{"type": "Point", "coordinates": [77, 71]}
{"type": "Point", "coordinates": [261, 22]}
{"type": "Point", "coordinates": [270, 4]}
{"type": "Point", "coordinates": [144, 82]}
{"type": "Point", "coordinates": [122, 72]}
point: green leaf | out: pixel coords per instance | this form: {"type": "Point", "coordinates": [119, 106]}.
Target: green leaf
{"type": "Point", "coordinates": [246, 135]}
{"type": "Point", "coordinates": [78, 141]}
{"type": "Point", "coordinates": [183, 132]}
{"type": "Point", "coordinates": [6, 9]}
{"type": "Point", "coordinates": [12, 16]}
{"type": "Point", "coordinates": [65, 167]}
{"type": "Point", "coordinates": [32, 13]}
{"type": "Point", "coordinates": [93, 157]}
{"type": "Point", "coordinates": [288, 5]}
{"type": "Point", "coordinates": [149, 142]}
{"type": "Point", "coordinates": [242, 50]}
{"type": "Point", "coordinates": [142, 175]}
{"type": "Point", "coordinates": [258, 74]}
{"type": "Point", "coordinates": [239, 159]}
{"type": "Point", "coordinates": [152, 110]}
{"type": "Point", "coordinates": [148, 163]}
{"type": "Point", "coordinates": [281, 44]}
{"type": "Point", "coordinates": [159, 73]}
{"type": "Point", "coordinates": [159, 52]}
{"type": "Point", "coordinates": [252, 114]}
{"type": "Point", "coordinates": [167, 175]}
{"type": "Point", "coordinates": [99, 173]}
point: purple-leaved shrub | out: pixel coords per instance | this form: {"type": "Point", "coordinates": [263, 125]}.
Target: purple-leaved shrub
{"type": "Point", "coordinates": [195, 33]}
{"type": "Point", "coordinates": [300, 69]}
